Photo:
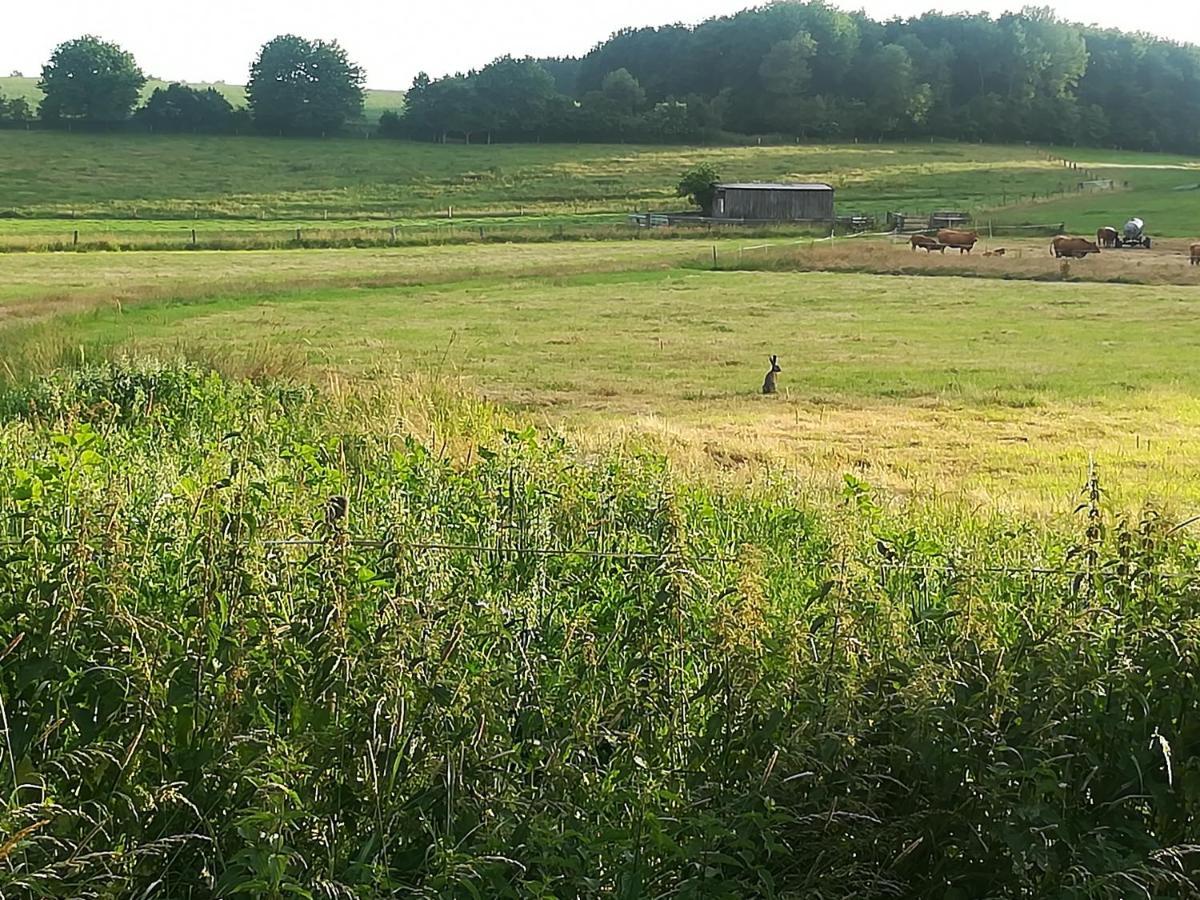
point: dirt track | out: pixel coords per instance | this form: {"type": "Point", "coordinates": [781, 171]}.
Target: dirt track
{"type": "Point", "coordinates": [1024, 258]}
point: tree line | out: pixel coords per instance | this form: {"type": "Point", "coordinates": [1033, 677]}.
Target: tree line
{"type": "Point", "coordinates": [795, 70]}
{"type": "Point", "coordinates": [809, 71]}
{"type": "Point", "coordinates": [296, 87]}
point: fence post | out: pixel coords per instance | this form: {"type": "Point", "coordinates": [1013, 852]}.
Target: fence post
{"type": "Point", "coordinates": [75, 240]}
{"type": "Point", "coordinates": [193, 237]}
{"type": "Point", "coordinates": [298, 236]}
{"type": "Point", "coordinates": [714, 256]}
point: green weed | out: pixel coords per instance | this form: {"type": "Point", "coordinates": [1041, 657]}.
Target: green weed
{"type": "Point", "coordinates": [260, 642]}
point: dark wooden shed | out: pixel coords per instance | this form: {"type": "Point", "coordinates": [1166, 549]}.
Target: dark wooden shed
{"type": "Point", "coordinates": [774, 202]}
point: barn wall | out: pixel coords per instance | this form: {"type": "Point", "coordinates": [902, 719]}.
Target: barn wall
{"type": "Point", "coordinates": [777, 205]}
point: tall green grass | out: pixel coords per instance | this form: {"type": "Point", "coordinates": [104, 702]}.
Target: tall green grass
{"type": "Point", "coordinates": [260, 642]}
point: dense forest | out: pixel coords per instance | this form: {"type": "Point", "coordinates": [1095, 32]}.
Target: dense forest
{"type": "Point", "coordinates": [811, 71]}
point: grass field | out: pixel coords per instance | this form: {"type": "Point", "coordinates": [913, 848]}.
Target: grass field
{"type": "Point", "coordinates": [151, 178]}
{"type": "Point", "coordinates": [980, 388]}
{"type": "Point", "coordinates": [486, 570]}
{"type": "Point", "coordinates": [376, 102]}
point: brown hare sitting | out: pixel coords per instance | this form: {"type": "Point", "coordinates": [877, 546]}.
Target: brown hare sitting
{"type": "Point", "coordinates": [769, 386]}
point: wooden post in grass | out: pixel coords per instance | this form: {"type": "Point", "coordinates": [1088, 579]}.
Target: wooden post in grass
{"type": "Point", "coordinates": [75, 239]}
{"type": "Point", "coordinates": [298, 236]}
{"type": "Point", "coordinates": [193, 237]}
{"type": "Point", "coordinates": [393, 234]}
{"type": "Point", "coordinates": [714, 256]}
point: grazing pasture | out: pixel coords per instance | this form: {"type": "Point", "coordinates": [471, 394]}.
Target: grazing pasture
{"type": "Point", "coordinates": [1000, 257]}
{"type": "Point", "coordinates": [986, 387]}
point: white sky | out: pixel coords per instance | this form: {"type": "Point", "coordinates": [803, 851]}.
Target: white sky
{"type": "Point", "coordinates": [216, 39]}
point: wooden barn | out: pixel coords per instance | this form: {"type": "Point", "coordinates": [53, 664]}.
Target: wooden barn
{"type": "Point", "coordinates": [774, 202]}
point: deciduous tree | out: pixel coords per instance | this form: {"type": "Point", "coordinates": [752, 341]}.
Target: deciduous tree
{"type": "Point", "coordinates": [307, 87]}
{"type": "Point", "coordinates": [699, 185]}
{"type": "Point", "coordinates": [89, 80]}
{"type": "Point", "coordinates": [180, 108]}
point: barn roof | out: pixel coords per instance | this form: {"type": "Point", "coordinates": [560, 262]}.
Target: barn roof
{"type": "Point", "coordinates": [767, 186]}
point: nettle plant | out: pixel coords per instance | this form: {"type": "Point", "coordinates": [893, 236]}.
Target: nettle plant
{"type": "Point", "coordinates": [263, 643]}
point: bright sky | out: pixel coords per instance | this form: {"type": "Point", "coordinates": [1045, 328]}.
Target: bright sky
{"type": "Point", "coordinates": [394, 39]}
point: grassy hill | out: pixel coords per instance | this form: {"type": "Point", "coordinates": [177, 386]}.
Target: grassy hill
{"type": "Point", "coordinates": [377, 102]}
{"type": "Point", "coordinates": [144, 177]}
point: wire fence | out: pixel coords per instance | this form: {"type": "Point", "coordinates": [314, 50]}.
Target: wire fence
{"type": "Point", "coordinates": [402, 235]}
{"type": "Point", "coordinates": [944, 568]}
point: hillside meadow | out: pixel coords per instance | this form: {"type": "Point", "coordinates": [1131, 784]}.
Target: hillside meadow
{"type": "Point", "coordinates": [144, 178]}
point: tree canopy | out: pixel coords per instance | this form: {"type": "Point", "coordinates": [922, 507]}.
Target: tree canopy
{"type": "Point", "coordinates": [811, 71]}
{"type": "Point", "coordinates": [15, 111]}
{"type": "Point", "coordinates": [91, 81]}
{"type": "Point", "coordinates": [699, 185]}
{"type": "Point", "coordinates": [299, 87]}
{"type": "Point", "coordinates": [180, 108]}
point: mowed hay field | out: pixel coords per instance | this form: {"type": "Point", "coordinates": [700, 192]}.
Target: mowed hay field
{"type": "Point", "coordinates": [981, 388]}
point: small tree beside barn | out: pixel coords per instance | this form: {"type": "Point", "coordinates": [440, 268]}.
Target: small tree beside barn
{"type": "Point", "coordinates": [699, 185]}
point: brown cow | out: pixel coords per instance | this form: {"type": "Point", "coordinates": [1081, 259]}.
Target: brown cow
{"type": "Point", "coordinates": [1072, 247]}
{"type": "Point", "coordinates": [962, 241]}
{"type": "Point", "coordinates": [927, 244]}
{"type": "Point", "coordinates": [1107, 237]}
{"type": "Point", "coordinates": [1196, 254]}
